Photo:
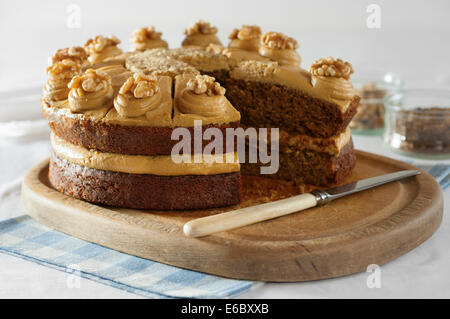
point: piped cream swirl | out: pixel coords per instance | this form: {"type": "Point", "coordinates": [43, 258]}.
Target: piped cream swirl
{"type": "Point", "coordinates": [138, 95]}
{"type": "Point", "coordinates": [92, 90]}
{"type": "Point", "coordinates": [147, 38]}
{"type": "Point", "coordinates": [285, 57]}
{"type": "Point", "coordinates": [202, 104]}
{"type": "Point", "coordinates": [59, 75]}
{"type": "Point", "coordinates": [281, 48]}
{"type": "Point", "coordinates": [247, 38]}
{"type": "Point", "coordinates": [203, 96]}
{"type": "Point", "coordinates": [100, 48]}
{"type": "Point", "coordinates": [338, 89]}
{"type": "Point", "coordinates": [200, 34]}
{"type": "Point", "coordinates": [128, 106]}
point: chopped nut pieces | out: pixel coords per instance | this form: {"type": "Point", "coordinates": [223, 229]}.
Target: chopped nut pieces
{"type": "Point", "coordinates": [143, 34]}
{"type": "Point", "coordinates": [91, 81]}
{"type": "Point", "coordinates": [140, 86]}
{"type": "Point", "coordinates": [66, 68]}
{"type": "Point", "coordinates": [330, 67]}
{"type": "Point", "coordinates": [200, 27]}
{"type": "Point", "coordinates": [248, 32]}
{"type": "Point", "coordinates": [278, 40]}
{"type": "Point", "coordinates": [77, 54]}
{"type": "Point", "coordinates": [99, 43]}
{"type": "Point", "coordinates": [216, 48]}
{"type": "Point", "coordinates": [204, 84]}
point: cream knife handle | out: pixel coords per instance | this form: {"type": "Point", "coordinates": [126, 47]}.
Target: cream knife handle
{"type": "Point", "coordinates": [247, 216]}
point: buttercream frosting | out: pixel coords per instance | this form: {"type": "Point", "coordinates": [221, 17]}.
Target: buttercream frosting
{"type": "Point", "coordinates": [203, 96]}
{"type": "Point", "coordinates": [99, 48]}
{"type": "Point", "coordinates": [91, 90]}
{"type": "Point", "coordinates": [138, 95]}
{"type": "Point", "coordinates": [59, 75]}
{"type": "Point", "coordinates": [247, 38]}
{"type": "Point", "coordinates": [147, 38]}
{"type": "Point", "coordinates": [162, 165]}
{"type": "Point", "coordinates": [200, 34]}
{"type": "Point", "coordinates": [236, 55]}
{"type": "Point", "coordinates": [280, 48]}
{"type": "Point", "coordinates": [118, 73]}
{"type": "Point", "coordinates": [293, 142]}
{"type": "Point", "coordinates": [155, 111]}
{"type": "Point", "coordinates": [211, 108]}
{"type": "Point", "coordinates": [77, 54]}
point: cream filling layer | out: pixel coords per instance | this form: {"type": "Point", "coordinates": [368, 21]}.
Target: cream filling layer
{"type": "Point", "coordinates": [162, 165]}
{"type": "Point", "coordinates": [332, 145]}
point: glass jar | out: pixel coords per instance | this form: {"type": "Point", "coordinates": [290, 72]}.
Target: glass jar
{"type": "Point", "coordinates": [418, 123]}
{"type": "Point", "coordinates": [372, 88]}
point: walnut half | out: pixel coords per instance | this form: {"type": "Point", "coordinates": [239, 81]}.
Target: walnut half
{"type": "Point", "coordinates": [90, 81]}
{"type": "Point", "coordinates": [330, 67]}
{"type": "Point", "coordinates": [77, 54]}
{"type": "Point", "coordinates": [200, 27]}
{"type": "Point", "coordinates": [247, 32]}
{"type": "Point", "coordinates": [143, 34]}
{"type": "Point", "coordinates": [140, 86]}
{"type": "Point", "coordinates": [99, 43]}
{"type": "Point", "coordinates": [204, 84]}
{"type": "Point", "coordinates": [278, 40]}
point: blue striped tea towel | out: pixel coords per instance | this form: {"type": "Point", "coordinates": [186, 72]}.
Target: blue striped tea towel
{"type": "Point", "coordinates": [25, 238]}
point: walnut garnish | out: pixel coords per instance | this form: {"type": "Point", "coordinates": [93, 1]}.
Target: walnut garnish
{"type": "Point", "coordinates": [200, 27]}
{"type": "Point", "coordinates": [99, 43]}
{"type": "Point", "coordinates": [218, 49]}
{"type": "Point", "coordinates": [143, 34]}
{"type": "Point", "coordinates": [140, 86]}
{"type": "Point", "coordinates": [77, 54]}
{"type": "Point", "coordinates": [215, 48]}
{"type": "Point", "coordinates": [330, 67]}
{"type": "Point", "coordinates": [66, 68]}
{"type": "Point", "coordinates": [204, 84]}
{"type": "Point", "coordinates": [278, 40]}
{"type": "Point", "coordinates": [91, 81]}
{"type": "Point", "coordinates": [248, 32]}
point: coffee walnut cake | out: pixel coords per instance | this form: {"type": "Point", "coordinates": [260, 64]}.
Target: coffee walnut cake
{"type": "Point", "coordinates": [113, 115]}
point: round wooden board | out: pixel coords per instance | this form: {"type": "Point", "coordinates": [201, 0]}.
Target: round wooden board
{"type": "Point", "coordinates": [341, 238]}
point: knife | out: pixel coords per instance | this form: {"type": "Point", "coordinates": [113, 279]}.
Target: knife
{"type": "Point", "coordinates": [250, 215]}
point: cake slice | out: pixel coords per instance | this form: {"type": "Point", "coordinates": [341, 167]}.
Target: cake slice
{"type": "Point", "coordinates": [268, 95]}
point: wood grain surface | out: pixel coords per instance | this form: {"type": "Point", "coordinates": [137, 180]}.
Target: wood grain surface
{"type": "Point", "coordinates": [341, 238]}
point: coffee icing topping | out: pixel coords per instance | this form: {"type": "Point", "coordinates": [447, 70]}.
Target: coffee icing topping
{"type": "Point", "coordinates": [91, 90]}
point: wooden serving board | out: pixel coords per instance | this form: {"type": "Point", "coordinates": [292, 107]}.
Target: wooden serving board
{"type": "Point", "coordinates": [341, 238]}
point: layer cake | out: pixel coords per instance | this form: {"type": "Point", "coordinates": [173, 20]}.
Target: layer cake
{"type": "Point", "coordinates": [113, 115]}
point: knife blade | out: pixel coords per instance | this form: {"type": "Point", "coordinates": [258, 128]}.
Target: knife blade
{"type": "Point", "coordinates": [254, 214]}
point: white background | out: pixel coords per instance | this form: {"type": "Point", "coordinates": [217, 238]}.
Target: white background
{"type": "Point", "coordinates": [413, 41]}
